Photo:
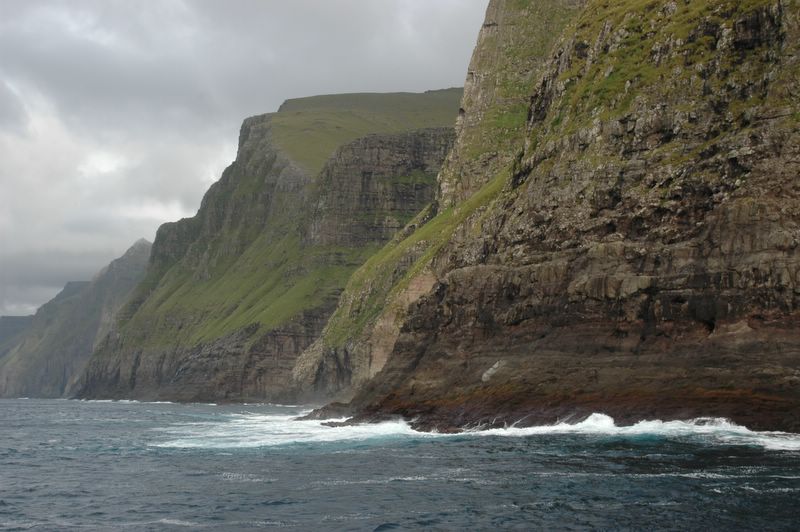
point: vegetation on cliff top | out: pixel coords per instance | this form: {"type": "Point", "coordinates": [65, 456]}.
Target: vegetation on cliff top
{"type": "Point", "coordinates": [310, 129]}
{"type": "Point", "coordinates": [246, 259]}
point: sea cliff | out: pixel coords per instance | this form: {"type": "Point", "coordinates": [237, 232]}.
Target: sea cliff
{"type": "Point", "coordinates": [638, 255]}
{"type": "Point", "coordinates": [234, 294]}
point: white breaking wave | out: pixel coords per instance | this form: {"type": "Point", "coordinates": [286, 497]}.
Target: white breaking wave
{"type": "Point", "coordinates": [123, 401]}
{"type": "Point", "coordinates": [713, 430]}
{"type": "Point", "coordinates": [259, 430]}
{"type": "Point", "coordinates": [269, 430]}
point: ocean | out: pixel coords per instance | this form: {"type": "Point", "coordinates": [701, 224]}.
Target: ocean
{"type": "Point", "coordinates": [94, 465]}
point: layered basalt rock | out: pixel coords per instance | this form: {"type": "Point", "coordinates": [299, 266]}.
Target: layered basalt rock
{"type": "Point", "coordinates": [513, 43]}
{"type": "Point", "coordinates": [642, 257]}
{"type": "Point", "coordinates": [372, 187]}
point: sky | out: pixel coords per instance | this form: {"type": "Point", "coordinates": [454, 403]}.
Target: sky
{"type": "Point", "coordinates": [116, 115]}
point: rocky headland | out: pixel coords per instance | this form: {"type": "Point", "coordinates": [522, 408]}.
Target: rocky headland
{"type": "Point", "coordinates": [611, 226]}
{"type": "Point", "coordinates": [639, 256]}
{"type": "Point", "coordinates": [233, 295]}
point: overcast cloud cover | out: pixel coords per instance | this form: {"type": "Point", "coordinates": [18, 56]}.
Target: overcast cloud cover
{"type": "Point", "coordinates": [115, 116]}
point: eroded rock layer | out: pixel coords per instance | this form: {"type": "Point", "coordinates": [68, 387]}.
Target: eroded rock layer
{"type": "Point", "coordinates": [642, 257]}
{"type": "Point", "coordinates": [513, 43]}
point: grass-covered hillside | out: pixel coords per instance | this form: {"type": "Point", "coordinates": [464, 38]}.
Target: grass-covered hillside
{"type": "Point", "coordinates": [310, 129]}
{"type": "Point", "coordinates": [246, 278]}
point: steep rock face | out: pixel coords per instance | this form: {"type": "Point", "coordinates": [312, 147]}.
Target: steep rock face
{"type": "Point", "coordinates": [51, 351]}
{"type": "Point", "coordinates": [641, 260]}
{"type": "Point", "coordinates": [234, 294]}
{"type": "Point", "coordinates": [373, 187]}
{"type": "Point", "coordinates": [513, 43]}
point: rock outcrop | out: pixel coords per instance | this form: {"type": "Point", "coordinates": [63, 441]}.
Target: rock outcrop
{"type": "Point", "coordinates": [372, 187]}
{"type": "Point", "coordinates": [640, 257]}
{"type": "Point", "coordinates": [48, 350]}
{"type": "Point", "coordinates": [236, 293]}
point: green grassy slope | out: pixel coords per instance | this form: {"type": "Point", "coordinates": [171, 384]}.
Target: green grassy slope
{"type": "Point", "coordinates": [514, 43]}
{"type": "Point", "coordinates": [251, 264]}
{"type": "Point", "coordinates": [310, 129]}
{"type": "Point", "coordinates": [275, 279]}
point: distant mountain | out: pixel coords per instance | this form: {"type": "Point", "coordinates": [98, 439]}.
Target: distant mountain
{"type": "Point", "coordinates": [41, 354]}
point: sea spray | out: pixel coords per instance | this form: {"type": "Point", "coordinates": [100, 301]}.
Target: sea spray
{"type": "Point", "coordinates": [253, 430]}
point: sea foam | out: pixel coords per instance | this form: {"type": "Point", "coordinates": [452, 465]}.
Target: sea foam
{"type": "Point", "coordinates": [714, 430]}
{"type": "Point", "coordinates": [251, 430]}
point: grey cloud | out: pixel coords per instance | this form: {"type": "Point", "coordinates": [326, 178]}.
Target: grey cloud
{"type": "Point", "coordinates": [12, 112]}
{"type": "Point", "coordinates": [29, 279]}
{"type": "Point", "coordinates": [124, 112]}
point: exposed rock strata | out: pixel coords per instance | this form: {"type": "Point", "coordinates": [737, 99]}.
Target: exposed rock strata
{"type": "Point", "coordinates": [373, 187]}
{"type": "Point", "coordinates": [236, 293]}
{"type": "Point", "coordinates": [513, 43]}
{"type": "Point", "coordinates": [642, 259]}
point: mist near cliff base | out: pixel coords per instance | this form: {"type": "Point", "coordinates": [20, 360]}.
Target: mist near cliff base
{"type": "Point", "coordinates": [116, 117]}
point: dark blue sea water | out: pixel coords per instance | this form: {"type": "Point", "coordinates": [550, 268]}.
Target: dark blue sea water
{"type": "Point", "coordinates": [69, 465]}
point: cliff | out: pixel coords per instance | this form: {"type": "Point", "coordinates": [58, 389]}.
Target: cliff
{"type": "Point", "coordinates": [513, 43]}
{"type": "Point", "coordinates": [637, 256]}
{"type": "Point", "coordinates": [234, 294]}
{"type": "Point", "coordinates": [47, 353]}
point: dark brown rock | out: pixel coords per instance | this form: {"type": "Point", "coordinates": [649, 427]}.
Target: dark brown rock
{"type": "Point", "coordinates": [643, 260]}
